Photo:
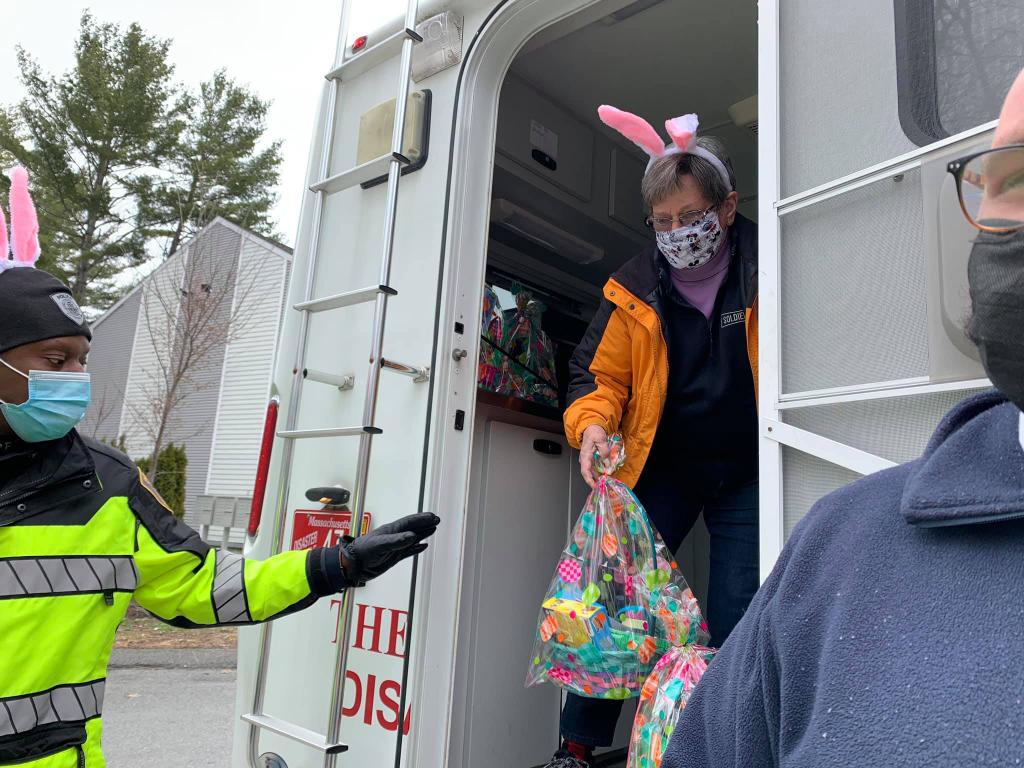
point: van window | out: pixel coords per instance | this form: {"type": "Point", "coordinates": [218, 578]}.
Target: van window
{"type": "Point", "coordinates": [955, 61]}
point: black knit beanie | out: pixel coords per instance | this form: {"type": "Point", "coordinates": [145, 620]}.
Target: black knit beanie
{"type": "Point", "coordinates": [34, 306]}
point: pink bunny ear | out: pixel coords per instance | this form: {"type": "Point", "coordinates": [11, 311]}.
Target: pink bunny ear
{"type": "Point", "coordinates": [683, 131]}
{"type": "Point", "coordinates": [634, 128]}
{"type": "Point", "coordinates": [24, 224]}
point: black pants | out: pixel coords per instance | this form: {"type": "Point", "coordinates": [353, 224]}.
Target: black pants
{"type": "Point", "coordinates": [731, 518]}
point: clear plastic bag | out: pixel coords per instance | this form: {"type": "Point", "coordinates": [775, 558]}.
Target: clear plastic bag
{"type": "Point", "coordinates": [492, 329]}
{"type": "Point", "coordinates": [618, 601]}
{"type": "Point", "coordinates": [662, 700]}
{"type": "Point", "coordinates": [528, 368]}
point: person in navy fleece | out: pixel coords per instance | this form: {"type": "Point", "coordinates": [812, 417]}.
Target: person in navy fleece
{"type": "Point", "coordinates": [891, 630]}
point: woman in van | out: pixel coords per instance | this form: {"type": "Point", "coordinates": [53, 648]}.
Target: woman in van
{"type": "Point", "coordinates": [670, 360]}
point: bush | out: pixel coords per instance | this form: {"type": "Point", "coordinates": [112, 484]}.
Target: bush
{"type": "Point", "coordinates": [170, 476]}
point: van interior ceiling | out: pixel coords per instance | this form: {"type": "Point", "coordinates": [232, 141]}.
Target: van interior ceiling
{"type": "Point", "coordinates": [566, 213]}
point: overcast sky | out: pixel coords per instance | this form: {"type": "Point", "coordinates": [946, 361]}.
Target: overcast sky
{"type": "Point", "coordinates": [280, 50]}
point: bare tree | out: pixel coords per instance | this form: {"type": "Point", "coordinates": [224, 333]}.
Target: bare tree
{"type": "Point", "coordinates": [193, 307]}
{"type": "Point", "coordinates": [102, 407]}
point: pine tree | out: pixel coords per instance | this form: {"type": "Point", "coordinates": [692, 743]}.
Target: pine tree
{"type": "Point", "coordinates": [218, 167]}
{"type": "Point", "coordinates": [89, 138]}
{"type": "Point", "coordinates": [126, 164]}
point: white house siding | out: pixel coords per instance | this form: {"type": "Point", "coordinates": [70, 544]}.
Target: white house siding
{"type": "Point", "coordinates": [220, 421]}
{"type": "Point", "coordinates": [245, 387]}
{"type": "Point", "coordinates": [149, 337]}
{"type": "Point", "coordinates": [109, 364]}
{"type": "Point", "coordinates": [217, 250]}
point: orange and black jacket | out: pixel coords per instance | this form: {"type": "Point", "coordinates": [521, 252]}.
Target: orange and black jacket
{"type": "Point", "coordinates": [620, 371]}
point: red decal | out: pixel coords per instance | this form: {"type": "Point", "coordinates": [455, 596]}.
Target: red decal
{"type": "Point", "coordinates": [318, 528]}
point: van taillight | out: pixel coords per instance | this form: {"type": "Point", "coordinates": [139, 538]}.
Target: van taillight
{"type": "Point", "coordinates": [263, 468]}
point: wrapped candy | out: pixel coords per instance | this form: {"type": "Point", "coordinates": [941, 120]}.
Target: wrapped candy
{"type": "Point", "coordinates": [662, 700]}
{"type": "Point", "coordinates": [618, 601]}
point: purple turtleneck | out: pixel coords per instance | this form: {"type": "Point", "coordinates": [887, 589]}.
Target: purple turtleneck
{"type": "Point", "coordinates": [700, 285]}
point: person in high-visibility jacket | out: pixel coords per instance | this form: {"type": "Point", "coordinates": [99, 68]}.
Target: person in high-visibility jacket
{"type": "Point", "coordinates": [82, 531]}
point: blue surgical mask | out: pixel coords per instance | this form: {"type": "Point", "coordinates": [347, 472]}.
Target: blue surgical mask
{"type": "Point", "coordinates": [56, 403]}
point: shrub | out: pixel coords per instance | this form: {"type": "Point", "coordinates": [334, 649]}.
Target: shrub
{"type": "Point", "coordinates": [170, 476]}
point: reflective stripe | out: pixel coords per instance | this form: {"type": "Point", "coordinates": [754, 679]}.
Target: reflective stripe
{"type": "Point", "coordinates": [64, 704]}
{"type": "Point", "coordinates": [39, 576]}
{"type": "Point", "coordinates": [229, 601]}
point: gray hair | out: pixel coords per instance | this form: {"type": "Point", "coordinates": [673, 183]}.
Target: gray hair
{"type": "Point", "coordinates": [663, 178]}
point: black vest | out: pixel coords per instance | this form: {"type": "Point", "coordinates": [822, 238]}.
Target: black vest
{"type": "Point", "coordinates": [708, 435]}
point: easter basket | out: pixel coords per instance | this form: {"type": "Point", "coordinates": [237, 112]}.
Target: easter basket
{"type": "Point", "coordinates": [662, 699]}
{"type": "Point", "coordinates": [618, 601]}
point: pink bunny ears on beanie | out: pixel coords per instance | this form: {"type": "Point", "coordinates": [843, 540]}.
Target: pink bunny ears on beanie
{"type": "Point", "coordinates": [683, 131]}
{"type": "Point", "coordinates": [24, 241]}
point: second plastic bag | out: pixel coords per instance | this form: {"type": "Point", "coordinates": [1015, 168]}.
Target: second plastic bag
{"type": "Point", "coordinates": [617, 602]}
{"type": "Point", "coordinates": [662, 700]}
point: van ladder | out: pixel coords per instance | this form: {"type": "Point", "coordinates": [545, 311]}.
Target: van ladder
{"type": "Point", "coordinates": [392, 164]}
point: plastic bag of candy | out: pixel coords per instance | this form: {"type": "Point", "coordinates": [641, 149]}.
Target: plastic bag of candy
{"type": "Point", "coordinates": [492, 330]}
{"type": "Point", "coordinates": [662, 700]}
{"type": "Point", "coordinates": [528, 364]}
{"type": "Point", "coordinates": [618, 601]}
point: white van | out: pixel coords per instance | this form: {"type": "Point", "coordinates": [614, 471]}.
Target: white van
{"type": "Point", "coordinates": [840, 118]}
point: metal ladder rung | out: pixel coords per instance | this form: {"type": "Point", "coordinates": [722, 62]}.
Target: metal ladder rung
{"type": "Point", "coordinates": [372, 56]}
{"type": "Point", "coordinates": [417, 374]}
{"type": "Point", "coordinates": [295, 732]}
{"type": "Point", "coordinates": [344, 382]}
{"type": "Point", "coordinates": [361, 174]}
{"type": "Point", "coordinates": [301, 434]}
{"type": "Point", "coordinates": [346, 299]}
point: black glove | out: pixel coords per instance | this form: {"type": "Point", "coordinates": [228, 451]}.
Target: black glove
{"type": "Point", "coordinates": [355, 561]}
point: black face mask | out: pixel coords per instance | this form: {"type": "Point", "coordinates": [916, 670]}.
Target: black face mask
{"type": "Point", "coordinates": [995, 273]}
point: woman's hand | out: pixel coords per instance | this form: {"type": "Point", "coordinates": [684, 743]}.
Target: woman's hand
{"type": "Point", "coordinates": [594, 439]}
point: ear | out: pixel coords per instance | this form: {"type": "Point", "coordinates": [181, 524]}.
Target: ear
{"type": "Point", "coordinates": [727, 211]}
{"type": "Point", "coordinates": [24, 224]}
{"type": "Point", "coordinates": [634, 128]}
{"type": "Point", "coordinates": [683, 131]}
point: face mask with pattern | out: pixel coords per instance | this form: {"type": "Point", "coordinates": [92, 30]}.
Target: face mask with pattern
{"type": "Point", "coordinates": [693, 246]}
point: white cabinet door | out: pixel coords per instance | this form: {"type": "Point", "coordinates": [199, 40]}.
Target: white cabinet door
{"type": "Point", "coordinates": [521, 532]}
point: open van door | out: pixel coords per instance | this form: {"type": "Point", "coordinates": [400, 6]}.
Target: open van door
{"type": "Point", "coordinates": [863, 250]}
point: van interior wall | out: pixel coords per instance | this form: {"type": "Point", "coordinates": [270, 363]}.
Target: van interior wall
{"type": "Point", "coordinates": [555, 159]}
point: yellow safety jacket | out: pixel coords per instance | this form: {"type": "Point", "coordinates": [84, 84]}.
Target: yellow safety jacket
{"type": "Point", "coordinates": [82, 532]}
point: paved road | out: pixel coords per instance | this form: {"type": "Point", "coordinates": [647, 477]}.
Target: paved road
{"type": "Point", "coordinates": [177, 711]}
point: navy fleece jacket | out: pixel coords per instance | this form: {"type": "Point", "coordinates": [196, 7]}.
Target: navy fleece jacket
{"type": "Point", "coordinates": [891, 631]}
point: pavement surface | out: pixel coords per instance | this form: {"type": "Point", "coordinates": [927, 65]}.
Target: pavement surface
{"type": "Point", "coordinates": [169, 709]}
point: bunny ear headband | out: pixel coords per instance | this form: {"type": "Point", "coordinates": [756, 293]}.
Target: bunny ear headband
{"type": "Point", "coordinates": [683, 131]}
{"type": "Point", "coordinates": [24, 240]}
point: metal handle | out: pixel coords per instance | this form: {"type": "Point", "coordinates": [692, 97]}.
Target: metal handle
{"type": "Point", "coordinates": [459, 354]}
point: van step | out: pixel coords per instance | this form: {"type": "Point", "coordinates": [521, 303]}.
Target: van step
{"type": "Point", "coordinates": [302, 434]}
{"type": "Point", "coordinates": [613, 759]}
{"type": "Point", "coordinates": [374, 169]}
{"type": "Point", "coordinates": [295, 732]}
{"type": "Point", "coordinates": [372, 56]}
{"type": "Point", "coordinates": [347, 299]}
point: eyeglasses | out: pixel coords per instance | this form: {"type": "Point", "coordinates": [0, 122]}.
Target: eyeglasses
{"type": "Point", "coordinates": [667, 223]}
{"type": "Point", "coordinates": [990, 185]}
